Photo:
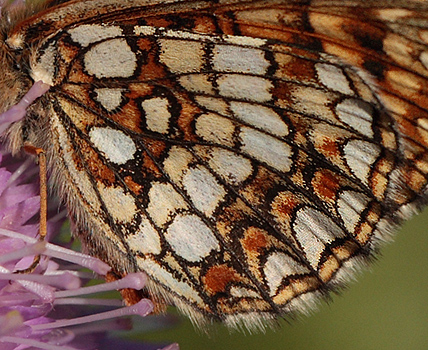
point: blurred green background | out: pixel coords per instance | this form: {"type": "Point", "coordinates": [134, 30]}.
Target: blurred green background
{"type": "Point", "coordinates": [385, 309]}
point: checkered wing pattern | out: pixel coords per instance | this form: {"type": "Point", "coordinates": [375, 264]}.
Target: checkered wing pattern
{"type": "Point", "coordinates": [247, 155]}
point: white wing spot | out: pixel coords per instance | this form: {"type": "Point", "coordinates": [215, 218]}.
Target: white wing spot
{"type": "Point", "coordinates": [157, 114]}
{"type": "Point", "coordinates": [181, 56]}
{"type": "Point", "coordinates": [313, 230]}
{"type": "Point", "coordinates": [244, 40]}
{"type": "Point", "coordinates": [278, 266]}
{"type": "Point", "coordinates": [120, 205]}
{"type": "Point", "coordinates": [242, 292]}
{"type": "Point", "coordinates": [238, 59]}
{"type": "Point", "coordinates": [116, 146]}
{"type": "Point", "coordinates": [350, 205]}
{"type": "Point", "coordinates": [230, 166]}
{"type": "Point", "coordinates": [211, 127]}
{"type": "Point", "coordinates": [110, 98]}
{"type": "Point", "coordinates": [245, 87]}
{"type": "Point", "coordinates": [266, 148]}
{"type": "Point", "coordinates": [111, 59]}
{"type": "Point", "coordinates": [190, 238]}
{"type": "Point", "coordinates": [176, 163]}
{"type": "Point", "coordinates": [213, 104]}
{"type": "Point", "coordinates": [333, 78]}
{"type": "Point", "coordinates": [164, 201]}
{"type": "Point", "coordinates": [357, 114]}
{"type": "Point", "coordinates": [360, 156]}
{"type": "Point", "coordinates": [146, 239]}
{"type": "Point", "coordinates": [86, 34]}
{"type": "Point", "coordinates": [152, 268]}
{"type": "Point", "coordinates": [260, 117]}
{"type": "Point", "coordinates": [203, 189]}
{"type": "Point", "coordinates": [199, 83]}
{"type": "Point", "coordinates": [144, 30]}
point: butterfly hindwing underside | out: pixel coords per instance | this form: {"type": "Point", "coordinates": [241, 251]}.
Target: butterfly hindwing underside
{"type": "Point", "coordinates": [247, 155]}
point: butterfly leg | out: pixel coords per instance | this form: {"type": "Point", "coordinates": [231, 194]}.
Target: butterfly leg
{"type": "Point", "coordinates": [41, 156]}
{"type": "Point", "coordinates": [36, 91]}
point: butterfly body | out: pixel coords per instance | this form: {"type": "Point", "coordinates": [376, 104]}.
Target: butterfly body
{"type": "Point", "coordinates": [247, 155]}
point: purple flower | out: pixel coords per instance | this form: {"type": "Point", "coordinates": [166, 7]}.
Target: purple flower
{"type": "Point", "coordinates": [45, 309]}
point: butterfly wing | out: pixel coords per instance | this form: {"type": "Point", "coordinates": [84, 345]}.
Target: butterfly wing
{"type": "Point", "coordinates": [248, 156]}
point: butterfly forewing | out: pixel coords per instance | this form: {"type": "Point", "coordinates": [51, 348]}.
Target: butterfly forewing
{"type": "Point", "coordinates": [248, 156]}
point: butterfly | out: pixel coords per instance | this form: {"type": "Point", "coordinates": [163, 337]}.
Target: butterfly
{"type": "Point", "coordinates": [248, 156]}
